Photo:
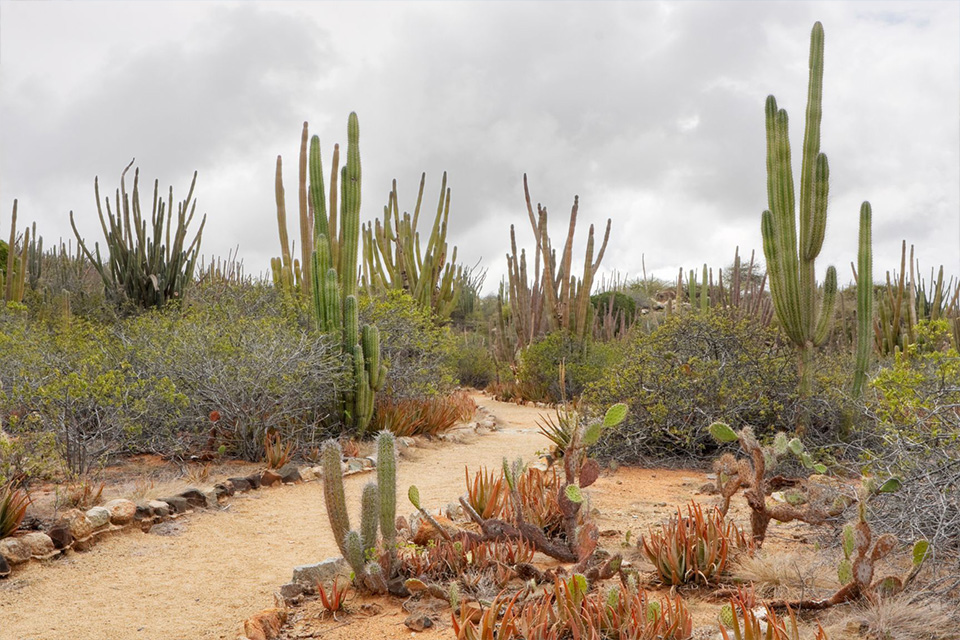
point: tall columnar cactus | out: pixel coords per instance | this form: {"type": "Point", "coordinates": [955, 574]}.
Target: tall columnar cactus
{"type": "Point", "coordinates": [864, 298]}
{"type": "Point", "coordinates": [378, 509]}
{"type": "Point", "coordinates": [13, 278]}
{"type": "Point", "coordinates": [331, 271]}
{"type": "Point", "coordinates": [791, 256]}
{"type": "Point", "coordinates": [393, 258]}
{"type": "Point", "coordinates": [565, 299]}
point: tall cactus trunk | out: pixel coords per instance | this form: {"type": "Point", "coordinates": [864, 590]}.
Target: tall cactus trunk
{"type": "Point", "coordinates": [864, 298]}
{"type": "Point", "coordinates": [791, 252]}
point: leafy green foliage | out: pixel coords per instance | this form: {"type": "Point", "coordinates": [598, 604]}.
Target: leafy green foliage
{"type": "Point", "coordinates": [585, 362]}
{"type": "Point", "coordinates": [262, 374]}
{"type": "Point", "coordinates": [73, 381]}
{"type": "Point", "coordinates": [693, 370]}
{"type": "Point", "coordinates": [414, 348]}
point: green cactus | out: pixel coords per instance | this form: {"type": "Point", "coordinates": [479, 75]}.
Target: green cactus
{"type": "Point", "coordinates": [330, 275]}
{"type": "Point", "coordinates": [864, 298]}
{"type": "Point", "coordinates": [369, 516]}
{"type": "Point", "coordinates": [393, 258]}
{"type": "Point", "coordinates": [333, 495]}
{"type": "Point", "coordinates": [353, 553]}
{"type": "Point", "coordinates": [378, 504]}
{"type": "Point", "coordinates": [150, 262]}
{"type": "Point", "coordinates": [387, 480]}
{"type": "Point", "coordinates": [13, 278]}
{"type": "Point", "coordinates": [791, 257]}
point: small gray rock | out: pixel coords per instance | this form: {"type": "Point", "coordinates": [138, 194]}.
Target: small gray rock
{"type": "Point", "coordinates": [4, 567]}
{"type": "Point", "coordinates": [159, 507]}
{"type": "Point", "coordinates": [98, 517]}
{"type": "Point", "coordinates": [179, 504]}
{"type": "Point", "coordinates": [240, 484]}
{"type": "Point", "coordinates": [322, 572]}
{"type": "Point", "coordinates": [290, 473]}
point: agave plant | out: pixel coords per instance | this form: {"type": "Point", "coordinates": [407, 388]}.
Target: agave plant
{"type": "Point", "coordinates": [13, 507]}
{"type": "Point", "coordinates": [276, 452]}
{"type": "Point", "coordinates": [691, 548]}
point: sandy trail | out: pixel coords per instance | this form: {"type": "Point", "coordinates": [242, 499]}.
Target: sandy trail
{"type": "Point", "coordinates": [225, 566]}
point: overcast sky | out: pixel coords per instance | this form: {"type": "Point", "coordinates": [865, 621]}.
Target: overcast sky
{"type": "Point", "coordinates": [651, 111]}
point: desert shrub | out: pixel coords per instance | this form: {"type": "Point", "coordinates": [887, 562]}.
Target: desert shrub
{"type": "Point", "coordinates": [471, 355]}
{"type": "Point", "coordinates": [692, 370]}
{"type": "Point", "coordinates": [71, 380]}
{"type": "Point", "coordinates": [584, 362]}
{"type": "Point", "coordinates": [414, 348]}
{"type": "Point", "coordinates": [260, 374]}
{"type": "Point", "coordinates": [915, 434]}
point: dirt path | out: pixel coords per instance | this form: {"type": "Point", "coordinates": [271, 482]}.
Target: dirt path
{"type": "Point", "coordinates": [223, 567]}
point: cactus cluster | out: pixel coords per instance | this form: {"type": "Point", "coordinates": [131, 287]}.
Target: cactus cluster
{"type": "Point", "coordinates": [556, 299]}
{"type": "Point", "coordinates": [328, 274]}
{"type": "Point", "coordinates": [150, 261]}
{"type": "Point", "coordinates": [378, 511]}
{"type": "Point", "coordinates": [393, 259]}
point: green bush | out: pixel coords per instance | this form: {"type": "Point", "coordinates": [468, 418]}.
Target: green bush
{"type": "Point", "coordinates": [914, 433]}
{"type": "Point", "coordinates": [71, 380]}
{"type": "Point", "coordinates": [260, 374]}
{"type": "Point", "coordinates": [538, 369]}
{"type": "Point", "coordinates": [474, 364]}
{"type": "Point", "coordinates": [414, 348]}
{"type": "Point", "coordinates": [692, 370]}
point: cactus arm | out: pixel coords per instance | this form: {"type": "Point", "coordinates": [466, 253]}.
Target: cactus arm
{"type": "Point", "coordinates": [826, 307]}
{"type": "Point", "coordinates": [369, 517]}
{"type": "Point", "coordinates": [306, 225]}
{"type": "Point", "coordinates": [333, 493]}
{"type": "Point", "coordinates": [811, 149]}
{"type": "Point", "coordinates": [332, 212]}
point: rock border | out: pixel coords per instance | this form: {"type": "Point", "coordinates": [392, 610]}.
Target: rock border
{"type": "Point", "coordinates": [77, 530]}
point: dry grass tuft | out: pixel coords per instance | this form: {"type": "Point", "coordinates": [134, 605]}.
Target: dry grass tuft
{"type": "Point", "coordinates": [902, 617]}
{"type": "Point", "coordinates": [785, 575]}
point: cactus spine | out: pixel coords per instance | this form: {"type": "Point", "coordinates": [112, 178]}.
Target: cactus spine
{"type": "Point", "coordinates": [378, 508]}
{"type": "Point", "coordinates": [864, 298]}
{"type": "Point", "coordinates": [791, 258]}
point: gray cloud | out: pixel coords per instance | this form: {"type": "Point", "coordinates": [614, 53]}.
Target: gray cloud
{"type": "Point", "coordinates": [651, 112]}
